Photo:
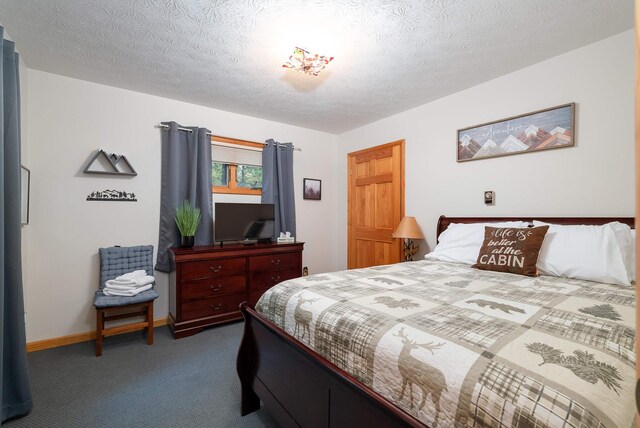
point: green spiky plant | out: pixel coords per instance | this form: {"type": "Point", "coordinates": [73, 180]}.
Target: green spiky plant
{"type": "Point", "coordinates": [187, 218]}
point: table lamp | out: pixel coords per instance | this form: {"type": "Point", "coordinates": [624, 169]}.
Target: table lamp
{"type": "Point", "coordinates": [408, 229]}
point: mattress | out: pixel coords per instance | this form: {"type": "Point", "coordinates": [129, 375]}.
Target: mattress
{"type": "Point", "coordinates": [455, 346]}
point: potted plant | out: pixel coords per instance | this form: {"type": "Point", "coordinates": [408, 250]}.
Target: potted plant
{"type": "Point", "coordinates": [187, 219]}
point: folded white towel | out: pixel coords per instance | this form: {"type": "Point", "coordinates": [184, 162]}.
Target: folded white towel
{"type": "Point", "coordinates": [111, 292]}
{"type": "Point", "coordinates": [132, 283]}
{"type": "Point", "coordinates": [142, 281]}
{"type": "Point", "coordinates": [132, 275]}
{"type": "Point", "coordinates": [121, 287]}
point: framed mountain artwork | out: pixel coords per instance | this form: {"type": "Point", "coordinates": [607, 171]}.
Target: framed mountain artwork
{"type": "Point", "coordinates": [551, 128]}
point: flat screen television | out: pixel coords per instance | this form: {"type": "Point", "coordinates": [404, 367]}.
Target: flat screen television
{"type": "Point", "coordinates": [244, 222]}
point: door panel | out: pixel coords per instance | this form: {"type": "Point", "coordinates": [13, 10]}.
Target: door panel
{"type": "Point", "coordinates": [365, 253]}
{"type": "Point", "coordinates": [376, 204]}
{"type": "Point", "coordinates": [384, 205]}
{"type": "Point", "coordinates": [362, 169]}
{"type": "Point", "coordinates": [384, 165]}
{"type": "Point", "coordinates": [382, 252]}
{"type": "Point", "coordinates": [364, 199]}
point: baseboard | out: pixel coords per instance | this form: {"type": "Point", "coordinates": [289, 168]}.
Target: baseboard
{"type": "Point", "coordinates": [74, 338]}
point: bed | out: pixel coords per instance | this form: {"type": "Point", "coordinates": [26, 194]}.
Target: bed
{"type": "Point", "coordinates": [432, 343]}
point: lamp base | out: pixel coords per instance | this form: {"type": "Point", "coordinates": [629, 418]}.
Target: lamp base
{"type": "Point", "coordinates": [410, 250]}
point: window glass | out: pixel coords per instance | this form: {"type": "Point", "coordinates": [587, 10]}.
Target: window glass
{"type": "Point", "coordinates": [249, 176]}
{"type": "Point", "coordinates": [220, 174]}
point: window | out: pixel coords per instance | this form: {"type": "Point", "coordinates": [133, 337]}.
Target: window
{"type": "Point", "coordinates": [236, 166]}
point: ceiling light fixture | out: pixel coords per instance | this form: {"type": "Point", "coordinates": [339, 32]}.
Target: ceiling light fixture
{"type": "Point", "coordinates": [305, 62]}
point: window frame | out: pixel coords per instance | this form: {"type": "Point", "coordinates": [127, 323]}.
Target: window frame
{"type": "Point", "coordinates": [232, 185]}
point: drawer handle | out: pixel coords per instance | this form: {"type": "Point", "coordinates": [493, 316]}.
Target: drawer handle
{"type": "Point", "coordinates": [275, 262]}
{"type": "Point", "coordinates": [216, 287]}
{"type": "Point", "coordinates": [218, 269]}
{"type": "Point", "coordinates": [216, 307]}
{"type": "Point", "coordinates": [275, 278]}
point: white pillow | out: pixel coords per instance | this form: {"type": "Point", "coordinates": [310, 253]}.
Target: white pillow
{"type": "Point", "coordinates": [461, 242]}
{"type": "Point", "coordinates": [592, 253]}
{"type": "Point", "coordinates": [627, 243]}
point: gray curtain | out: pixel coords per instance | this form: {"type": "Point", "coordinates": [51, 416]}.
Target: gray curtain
{"type": "Point", "coordinates": [277, 184]}
{"type": "Point", "coordinates": [14, 374]}
{"type": "Point", "coordinates": [186, 175]}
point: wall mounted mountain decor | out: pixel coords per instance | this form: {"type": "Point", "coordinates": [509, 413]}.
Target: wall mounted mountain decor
{"type": "Point", "coordinates": [112, 164]}
{"type": "Point", "coordinates": [551, 128]}
{"type": "Point", "coordinates": [111, 195]}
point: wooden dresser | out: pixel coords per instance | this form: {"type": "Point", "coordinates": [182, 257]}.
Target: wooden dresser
{"type": "Point", "coordinates": [209, 283]}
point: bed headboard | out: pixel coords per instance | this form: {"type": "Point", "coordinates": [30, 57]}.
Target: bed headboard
{"type": "Point", "coordinates": [444, 221]}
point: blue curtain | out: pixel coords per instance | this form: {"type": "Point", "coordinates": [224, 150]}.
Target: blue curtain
{"type": "Point", "coordinates": [14, 374]}
{"type": "Point", "coordinates": [277, 184]}
{"type": "Point", "coordinates": [186, 175]}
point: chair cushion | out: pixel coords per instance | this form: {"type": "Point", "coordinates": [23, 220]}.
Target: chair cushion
{"type": "Point", "coordinates": [103, 301]}
{"type": "Point", "coordinates": [116, 261]}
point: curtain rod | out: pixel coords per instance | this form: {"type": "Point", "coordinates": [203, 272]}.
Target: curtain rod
{"type": "Point", "coordinates": [163, 126]}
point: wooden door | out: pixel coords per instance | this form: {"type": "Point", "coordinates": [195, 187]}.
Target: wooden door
{"type": "Point", "coordinates": [375, 204]}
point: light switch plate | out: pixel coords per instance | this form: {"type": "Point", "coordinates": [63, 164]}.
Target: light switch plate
{"type": "Point", "coordinates": [489, 197]}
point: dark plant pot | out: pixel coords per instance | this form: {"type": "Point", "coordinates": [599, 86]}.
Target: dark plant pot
{"type": "Point", "coordinates": [187, 241]}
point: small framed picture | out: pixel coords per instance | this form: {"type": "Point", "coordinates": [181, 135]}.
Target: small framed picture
{"type": "Point", "coordinates": [25, 184]}
{"type": "Point", "coordinates": [312, 189]}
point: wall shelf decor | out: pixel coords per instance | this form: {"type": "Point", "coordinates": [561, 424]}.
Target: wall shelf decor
{"type": "Point", "coordinates": [111, 195]}
{"type": "Point", "coordinates": [112, 163]}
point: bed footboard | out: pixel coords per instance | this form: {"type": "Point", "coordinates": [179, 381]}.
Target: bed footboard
{"type": "Point", "coordinates": [301, 388]}
{"type": "Point", "coordinates": [247, 354]}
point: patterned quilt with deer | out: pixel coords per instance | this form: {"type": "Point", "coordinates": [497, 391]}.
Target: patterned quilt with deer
{"type": "Point", "coordinates": [456, 346]}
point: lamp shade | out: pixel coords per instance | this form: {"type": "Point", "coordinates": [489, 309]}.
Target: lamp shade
{"type": "Point", "coordinates": [408, 229]}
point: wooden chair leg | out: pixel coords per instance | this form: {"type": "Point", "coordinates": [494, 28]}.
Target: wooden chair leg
{"type": "Point", "coordinates": [99, 328]}
{"type": "Point", "coordinates": [150, 323]}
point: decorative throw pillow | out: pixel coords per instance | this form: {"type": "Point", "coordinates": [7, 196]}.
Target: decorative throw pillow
{"type": "Point", "coordinates": [461, 242]}
{"type": "Point", "coordinates": [513, 250]}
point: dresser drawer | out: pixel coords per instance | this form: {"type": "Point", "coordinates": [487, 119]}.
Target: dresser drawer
{"type": "Point", "coordinates": [275, 261]}
{"type": "Point", "coordinates": [267, 279]}
{"type": "Point", "coordinates": [214, 268]}
{"type": "Point", "coordinates": [212, 306]}
{"type": "Point", "coordinates": [212, 287]}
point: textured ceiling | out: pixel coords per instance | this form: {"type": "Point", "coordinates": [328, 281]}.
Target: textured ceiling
{"type": "Point", "coordinates": [390, 55]}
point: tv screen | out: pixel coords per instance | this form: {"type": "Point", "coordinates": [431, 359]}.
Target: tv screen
{"type": "Point", "coordinates": [240, 222]}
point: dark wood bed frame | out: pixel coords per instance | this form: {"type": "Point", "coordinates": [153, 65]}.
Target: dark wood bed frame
{"type": "Point", "coordinates": [299, 387]}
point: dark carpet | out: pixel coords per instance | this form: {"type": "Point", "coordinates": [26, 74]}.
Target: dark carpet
{"type": "Point", "coordinates": [190, 382]}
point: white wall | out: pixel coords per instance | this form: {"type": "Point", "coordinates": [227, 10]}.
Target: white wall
{"type": "Point", "coordinates": [68, 120]}
{"type": "Point", "coordinates": [594, 178]}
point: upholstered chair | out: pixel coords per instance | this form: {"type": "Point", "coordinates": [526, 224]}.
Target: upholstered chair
{"type": "Point", "coordinates": [116, 261]}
